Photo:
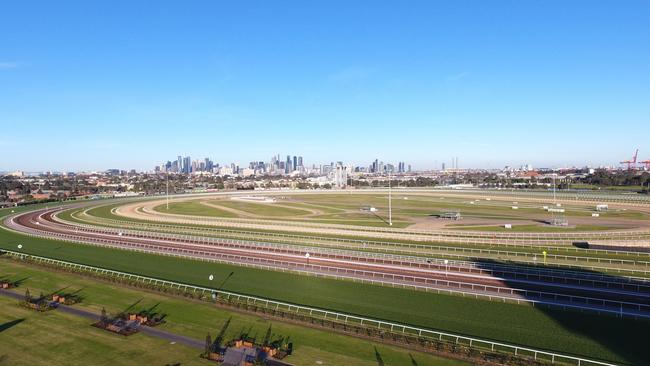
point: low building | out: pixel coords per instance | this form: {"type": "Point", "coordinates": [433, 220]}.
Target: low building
{"type": "Point", "coordinates": [450, 215]}
{"type": "Point", "coordinates": [243, 356]}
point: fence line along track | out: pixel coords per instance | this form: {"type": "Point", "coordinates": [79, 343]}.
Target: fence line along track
{"type": "Point", "coordinates": [584, 303]}
{"type": "Point", "coordinates": [638, 234]}
{"type": "Point", "coordinates": [210, 230]}
{"type": "Point", "coordinates": [577, 266]}
{"type": "Point", "coordinates": [418, 261]}
{"type": "Point", "coordinates": [554, 358]}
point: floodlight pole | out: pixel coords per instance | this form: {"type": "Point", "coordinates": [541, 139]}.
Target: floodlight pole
{"type": "Point", "coordinates": [390, 202]}
{"type": "Point", "coordinates": [554, 200]}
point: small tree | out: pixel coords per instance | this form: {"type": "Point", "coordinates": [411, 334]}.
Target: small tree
{"type": "Point", "coordinates": [208, 345]}
{"type": "Point", "coordinates": [267, 337]}
{"type": "Point", "coordinates": [104, 317]}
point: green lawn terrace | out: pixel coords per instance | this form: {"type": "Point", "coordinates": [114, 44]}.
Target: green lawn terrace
{"type": "Point", "coordinates": [20, 329]}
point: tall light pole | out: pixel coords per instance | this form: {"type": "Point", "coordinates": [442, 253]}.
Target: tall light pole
{"type": "Point", "coordinates": [390, 202]}
{"type": "Point", "coordinates": [554, 201]}
{"type": "Point", "coordinates": [167, 190]}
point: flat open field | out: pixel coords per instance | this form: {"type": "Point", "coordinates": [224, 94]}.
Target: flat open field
{"type": "Point", "coordinates": [185, 317]}
{"type": "Point", "coordinates": [30, 338]}
{"type": "Point", "coordinates": [409, 210]}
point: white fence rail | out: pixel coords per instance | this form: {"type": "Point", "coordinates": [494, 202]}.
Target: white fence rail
{"type": "Point", "coordinates": [554, 358]}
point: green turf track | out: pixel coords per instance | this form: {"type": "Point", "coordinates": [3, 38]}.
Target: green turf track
{"type": "Point", "coordinates": [588, 335]}
{"type": "Point", "coordinates": [91, 346]}
{"type": "Point", "coordinates": [105, 212]}
{"type": "Point", "coordinates": [192, 208]}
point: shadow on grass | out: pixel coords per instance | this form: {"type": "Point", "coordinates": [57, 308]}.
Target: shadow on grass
{"type": "Point", "coordinates": [10, 324]}
{"type": "Point", "coordinates": [626, 337]}
{"type": "Point", "coordinates": [19, 282]}
{"type": "Point", "coordinates": [380, 361]}
{"type": "Point", "coordinates": [413, 362]}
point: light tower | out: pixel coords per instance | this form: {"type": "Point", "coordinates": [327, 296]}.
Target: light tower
{"type": "Point", "coordinates": [167, 190]}
{"type": "Point", "coordinates": [390, 202]}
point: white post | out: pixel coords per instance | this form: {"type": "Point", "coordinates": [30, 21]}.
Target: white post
{"type": "Point", "coordinates": [446, 268]}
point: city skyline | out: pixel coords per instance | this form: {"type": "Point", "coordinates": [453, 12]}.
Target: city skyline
{"type": "Point", "coordinates": [454, 162]}
{"type": "Point", "coordinates": [239, 83]}
{"type": "Point", "coordinates": [294, 164]}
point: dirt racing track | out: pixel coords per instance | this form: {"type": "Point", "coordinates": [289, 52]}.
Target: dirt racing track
{"type": "Point", "coordinates": [639, 236]}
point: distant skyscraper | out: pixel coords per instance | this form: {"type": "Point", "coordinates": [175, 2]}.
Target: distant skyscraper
{"type": "Point", "coordinates": [300, 161]}
{"type": "Point", "coordinates": [295, 163]}
{"type": "Point", "coordinates": [340, 176]}
{"type": "Point", "coordinates": [187, 165]}
{"type": "Point", "coordinates": [287, 165]}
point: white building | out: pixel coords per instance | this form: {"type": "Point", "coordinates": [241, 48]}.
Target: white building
{"type": "Point", "coordinates": [340, 176]}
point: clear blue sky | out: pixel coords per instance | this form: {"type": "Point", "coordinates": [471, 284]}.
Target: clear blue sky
{"type": "Point", "coordinates": [128, 84]}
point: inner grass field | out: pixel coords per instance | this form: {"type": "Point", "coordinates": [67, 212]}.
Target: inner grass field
{"type": "Point", "coordinates": [407, 210]}
{"type": "Point", "coordinates": [587, 335]}
{"type": "Point", "coordinates": [104, 212]}
{"type": "Point", "coordinates": [194, 319]}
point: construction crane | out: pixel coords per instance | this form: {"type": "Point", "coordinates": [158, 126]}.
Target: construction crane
{"type": "Point", "coordinates": [645, 163]}
{"type": "Point", "coordinates": [631, 164]}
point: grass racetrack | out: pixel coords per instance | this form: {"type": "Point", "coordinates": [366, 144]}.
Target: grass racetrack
{"type": "Point", "coordinates": [53, 332]}
{"type": "Point", "coordinates": [408, 210]}
{"type": "Point", "coordinates": [588, 335]}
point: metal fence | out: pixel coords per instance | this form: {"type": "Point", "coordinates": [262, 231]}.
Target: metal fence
{"type": "Point", "coordinates": [555, 358]}
{"type": "Point", "coordinates": [329, 240]}
{"type": "Point", "coordinates": [417, 261]}
{"type": "Point", "coordinates": [564, 301]}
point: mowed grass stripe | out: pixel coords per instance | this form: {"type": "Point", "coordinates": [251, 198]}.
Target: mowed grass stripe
{"type": "Point", "coordinates": [588, 335]}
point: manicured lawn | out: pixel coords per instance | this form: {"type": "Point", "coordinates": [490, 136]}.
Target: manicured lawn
{"type": "Point", "coordinates": [193, 208]}
{"type": "Point", "coordinates": [262, 209]}
{"type": "Point", "coordinates": [569, 332]}
{"type": "Point", "coordinates": [194, 319]}
{"type": "Point", "coordinates": [32, 339]}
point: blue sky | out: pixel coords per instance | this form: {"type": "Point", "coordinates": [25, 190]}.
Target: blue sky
{"type": "Point", "coordinates": [99, 84]}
